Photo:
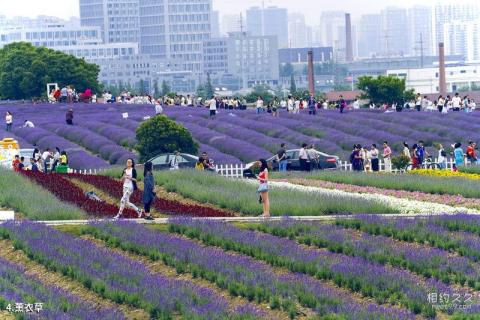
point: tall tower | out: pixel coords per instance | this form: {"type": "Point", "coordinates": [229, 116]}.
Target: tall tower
{"type": "Point", "coordinates": [442, 78]}
{"type": "Point", "coordinates": [348, 39]}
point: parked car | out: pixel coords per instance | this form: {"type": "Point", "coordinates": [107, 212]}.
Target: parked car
{"type": "Point", "coordinates": [185, 160]}
{"type": "Point", "coordinates": [317, 161]}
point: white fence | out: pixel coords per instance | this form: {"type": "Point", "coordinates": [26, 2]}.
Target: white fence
{"type": "Point", "coordinates": [230, 170]}
{"type": "Point", "coordinates": [236, 170]}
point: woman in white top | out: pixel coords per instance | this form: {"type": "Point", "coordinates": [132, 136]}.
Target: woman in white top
{"type": "Point", "coordinates": [259, 105]}
{"type": "Point", "coordinates": [213, 106]}
{"type": "Point", "coordinates": [8, 121]}
{"type": "Point", "coordinates": [406, 151]}
{"type": "Point", "coordinates": [442, 157]}
{"type": "Point", "coordinates": [129, 179]}
{"type": "Point", "coordinates": [290, 104]}
{"type": "Point", "coordinates": [303, 157]}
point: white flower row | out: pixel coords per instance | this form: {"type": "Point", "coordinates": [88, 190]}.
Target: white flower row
{"type": "Point", "coordinates": [405, 206]}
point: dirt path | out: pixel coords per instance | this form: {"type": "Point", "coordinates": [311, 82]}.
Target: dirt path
{"type": "Point", "coordinates": [159, 267]}
{"type": "Point", "coordinates": [56, 279]}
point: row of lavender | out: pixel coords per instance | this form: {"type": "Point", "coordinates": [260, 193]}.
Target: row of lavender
{"type": "Point", "coordinates": [370, 279]}
{"type": "Point", "coordinates": [119, 278]}
{"type": "Point", "coordinates": [102, 137]}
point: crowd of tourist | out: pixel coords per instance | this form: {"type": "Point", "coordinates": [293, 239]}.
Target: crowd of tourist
{"type": "Point", "coordinates": [68, 94]}
{"type": "Point", "coordinates": [47, 161]}
{"type": "Point", "coordinates": [366, 158]}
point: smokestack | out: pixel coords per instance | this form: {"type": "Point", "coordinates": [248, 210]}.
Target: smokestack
{"type": "Point", "coordinates": [441, 63]}
{"type": "Point", "coordinates": [311, 80]}
{"type": "Point", "coordinates": [348, 40]}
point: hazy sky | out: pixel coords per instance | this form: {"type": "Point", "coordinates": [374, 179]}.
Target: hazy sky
{"type": "Point", "coordinates": [311, 8]}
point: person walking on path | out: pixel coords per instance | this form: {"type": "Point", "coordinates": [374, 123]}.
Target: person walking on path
{"type": "Point", "coordinates": [387, 157]}
{"type": "Point", "coordinates": [148, 189]}
{"type": "Point", "coordinates": [374, 158]}
{"type": "Point", "coordinates": [263, 188]}
{"type": "Point", "coordinates": [458, 155]}
{"type": "Point", "coordinates": [8, 121]}
{"type": "Point", "coordinates": [69, 117]}
{"type": "Point", "coordinates": [303, 157]}
{"type": "Point", "coordinates": [129, 179]}
{"type": "Point", "coordinates": [282, 158]}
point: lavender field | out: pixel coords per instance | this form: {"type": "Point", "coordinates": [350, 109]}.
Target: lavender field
{"type": "Point", "coordinates": [101, 137]}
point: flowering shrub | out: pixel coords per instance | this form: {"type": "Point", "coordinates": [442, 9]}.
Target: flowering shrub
{"type": "Point", "coordinates": [446, 173]}
{"type": "Point", "coordinates": [65, 190]}
{"type": "Point", "coordinates": [114, 188]}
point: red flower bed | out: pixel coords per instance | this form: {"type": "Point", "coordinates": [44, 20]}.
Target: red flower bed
{"type": "Point", "coordinates": [65, 190]}
{"type": "Point", "coordinates": [114, 188]}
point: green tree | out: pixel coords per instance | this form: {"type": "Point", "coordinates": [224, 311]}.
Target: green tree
{"type": "Point", "coordinates": [208, 87]}
{"type": "Point", "coordinates": [293, 86]}
{"type": "Point", "coordinates": [286, 70]}
{"type": "Point", "coordinates": [201, 92]}
{"type": "Point", "coordinates": [162, 135]}
{"type": "Point", "coordinates": [383, 89]}
{"type": "Point", "coordinates": [165, 88]}
{"type": "Point", "coordinates": [260, 90]}
{"type": "Point", "coordinates": [25, 70]}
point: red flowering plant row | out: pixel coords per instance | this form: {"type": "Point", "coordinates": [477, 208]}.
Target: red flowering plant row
{"type": "Point", "coordinates": [65, 190]}
{"type": "Point", "coordinates": [173, 207]}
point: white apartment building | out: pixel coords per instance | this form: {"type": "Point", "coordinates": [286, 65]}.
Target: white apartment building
{"type": "Point", "coordinates": [426, 80]}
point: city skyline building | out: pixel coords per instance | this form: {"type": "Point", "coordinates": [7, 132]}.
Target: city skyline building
{"type": "Point", "coordinates": [269, 21]}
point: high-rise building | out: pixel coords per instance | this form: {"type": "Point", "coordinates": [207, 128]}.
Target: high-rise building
{"type": "Point", "coordinates": [396, 30]}
{"type": "Point", "coordinates": [270, 21]}
{"type": "Point", "coordinates": [298, 36]}
{"type": "Point", "coordinates": [233, 23]}
{"type": "Point", "coordinates": [461, 11]}
{"type": "Point", "coordinates": [175, 29]}
{"type": "Point", "coordinates": [118, 19]}
{"type": "Point", "coordinates": [421, 30]}
{"type": "Point", "coordinates": [251, 59]}
{"type": "Point", "coordinates": [370, 35]}
{"type": "Point", "coordinates": [463, 39]}
{"type": "Point", "coordinates": [332, 26]}
{"type": "Point", "coordinates": [215, 22]}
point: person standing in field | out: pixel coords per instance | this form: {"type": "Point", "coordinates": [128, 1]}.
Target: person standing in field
{"type": "Point", "coordinates": [387, 156]}
{"type": "Point", "coordinates": [303, 157]}
{"type": "Point", "coordinates": [282, 159]}
{"type": "Point", "coordinates": [263, 187]}
{"type": "Point", "coordinates": [442, 157]}
{"type": "Point", "coordinates": [259, 105]}
{"type": "Point", "coordinates": [458, 155]}
{"type": "Point", "coordinates": [343, 104]}
{"type": "Point", "coordinates": [406, 151]}
{"type": "Point", "coordinates": [8, 121]}
{"type": "Point", "coordinates": [129, 179]}
{"type": "Point", "coordinates": [148, 189]}
{"type": "Point", "coordinates": [415, 162]}
{"type": "Point", "coordinates": [69, 117]}
{"type": "Point", "coordinates": [213, 107]}
{"type": "Point", "coordinates": [374, 158]}
{"type": "Point", "coordinates": [312, 105]}
{"type": "Point", "coordinates": [471, 154]}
